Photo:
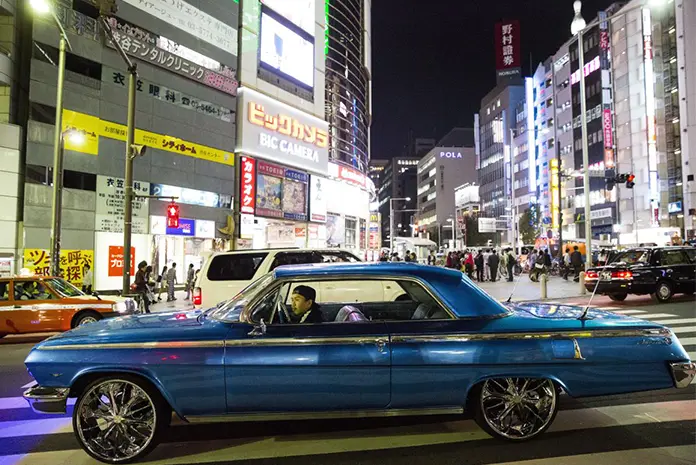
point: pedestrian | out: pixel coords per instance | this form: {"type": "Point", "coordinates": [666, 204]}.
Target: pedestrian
{"type": "Point", "coordinates": [478, 262]}
{"type": "Point", "coordinates": [469, 265]}
{"type": "Point", "coordinates": [141, 285]}
{"type": "Point", "coordinates": [189, 281]}
{"type": "Point", "coordinates": [149, 280]}
{"type": "Point", "coordinates": [414, 258]}
{"type": "Point", "coordinates": [576, 262]}
{"type": "Point", "coordinates": [171, 282]}
{"type": "Point", "coordinates": [510, 263]}
{"type": "Point", "coordinates": [87, 279]}
{"type": "Point", "coordinates": [566, 263]}
{"type": "Point", "coordinates": [431, 258]}
{"type": "Point", "coordinates": [407, 257]}
{"type": "Point", "coordinates": [162, 283]}
{"type": "Point", "coordinates": [395, 257]}
{"type": "Point", "coordinates": [493, 262]}
{"type": "Point", "coordinates": [486, 266]}
{"type": "Point", "coordinates": [384, 257]}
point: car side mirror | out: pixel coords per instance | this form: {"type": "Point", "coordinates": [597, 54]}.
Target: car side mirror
{"type": "Point", "coordinates": [259, 330]}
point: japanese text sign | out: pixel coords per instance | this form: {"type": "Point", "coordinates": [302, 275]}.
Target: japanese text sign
{"type": "Point", "coordinates": [186, 227]}
{"type": "Point", "coordinates": [72, 263]}
{"type": "Point", "coordinates": [95, 127]}
{"type": "Point", "coordinates": [144, 51]}
{"type": "Point", "coordinates": [606, 124]}
{"type": "Point", "coordinates": [248, 185]}
{"type": "Point", "coordinates": [275, 131]}
{"type": "Point", "coordinates": [507, 45]}
{"type": "Point", "coordinates": [116, 260]}
{"type": "Point", "coordinates": [111, 205]}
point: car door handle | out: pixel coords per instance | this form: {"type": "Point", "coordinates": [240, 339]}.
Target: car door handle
{"type": "Point", "coordinates": [381, 344]}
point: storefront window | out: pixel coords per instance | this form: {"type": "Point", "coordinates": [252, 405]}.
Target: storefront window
{"type": "Point", "coordinates": [351, 232]}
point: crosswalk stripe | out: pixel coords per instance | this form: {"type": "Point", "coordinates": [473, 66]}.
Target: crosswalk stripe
{"type": "Point", "coordinates": [43, 427]}
{"type": "Point", "coordinates": [687, 341]}
{"type": "Point", "coordinates": [650, 316]}
{"type": "Point", "coordinates": [674, 321]}
{"type": "Point", "coordinates": [629, 312]}
{"type": "Point", "coordinates": [684, 329]}
{"type": "Point", "coordinates": [684, 454]}
{"type": "Point", "coordinates": [393, 437]}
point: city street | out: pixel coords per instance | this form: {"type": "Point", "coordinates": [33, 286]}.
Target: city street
{"type": "Point", "coordinates": [647, 428]}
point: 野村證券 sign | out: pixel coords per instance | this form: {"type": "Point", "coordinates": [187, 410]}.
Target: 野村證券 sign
{"type": "Point", "coordinates": [507, 47]}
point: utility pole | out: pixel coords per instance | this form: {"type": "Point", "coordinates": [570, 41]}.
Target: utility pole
{"type": "Point", "coordinates": [108, 7]}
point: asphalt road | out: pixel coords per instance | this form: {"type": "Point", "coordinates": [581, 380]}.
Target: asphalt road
{"type": "Point", "coordinates": [643, 429]}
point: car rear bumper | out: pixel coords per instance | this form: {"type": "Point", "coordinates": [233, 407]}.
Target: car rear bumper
{"type": "Point", "coordinates": [47, 399]}
{"type": "Point", "coordinates": [683, 373]}
{"type": "Point", "coordinates": [608, 287]}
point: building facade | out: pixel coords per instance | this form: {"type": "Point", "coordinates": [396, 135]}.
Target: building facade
{"type": "Point", "coordinates": [445, 167]}
{"type": "Point", "coordinates": [399, 182]}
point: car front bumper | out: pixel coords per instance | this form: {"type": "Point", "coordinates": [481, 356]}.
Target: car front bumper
{"type": "Point", "coordinates": [47, 399]}
{"type": "Point", "coordinates": [683, 373]}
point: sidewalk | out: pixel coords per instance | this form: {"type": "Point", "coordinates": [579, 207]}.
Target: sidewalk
{"type": "Point", "coordinates": [178, 305]}
{"type": "Point", "coordinates": [557, 288]}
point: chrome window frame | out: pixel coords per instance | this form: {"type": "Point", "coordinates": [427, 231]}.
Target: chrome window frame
{"type": "Point", "coordinates": [246, 314]}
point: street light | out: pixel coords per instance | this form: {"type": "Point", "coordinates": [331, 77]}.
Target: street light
{"type": "Point", "coordinates": [43, 7]}
{"type": "Point", "coordinates": [391, 220]}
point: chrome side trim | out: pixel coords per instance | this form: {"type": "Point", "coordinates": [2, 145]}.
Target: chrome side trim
{"type": "Point", "coordinates": [663, 332]}
{"type": "Point", "coordinates": [291, 341]}
{"type": "Point", "coordinates": [47, 399]}
{"type": "Point", "coordinates": [139, 345]}
{"type": "Point", "coordinates": [280, 416]}
{"type": "Point", "coordinates": [683, 373]}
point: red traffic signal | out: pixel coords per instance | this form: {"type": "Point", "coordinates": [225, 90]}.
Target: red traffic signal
{"type": "Point", "coordinates": [629, 181]}
{"type": "Point", "coordinates": [173, 215]}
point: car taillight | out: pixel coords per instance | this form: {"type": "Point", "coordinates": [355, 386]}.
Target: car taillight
{"type": "Point", "coordinates": [591, 275]}
{"type": "Point", "coordinates": [197, 296]}
{"type": "Point", "coordinates": [622, 275]}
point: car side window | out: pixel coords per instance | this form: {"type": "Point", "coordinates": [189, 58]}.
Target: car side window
{"type": "Point", "coordinates": [4, 291]}
{"type": "Point", "coordinates": [673, 257]}
{"type": "Point", "coordinates": [31, 290]}
{"type": "Point", "coordinates": [691, 253]}
{"type": "Point", "coordinates": [235, 267]}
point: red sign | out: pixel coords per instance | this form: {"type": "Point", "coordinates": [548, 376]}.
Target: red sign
{"type": "Point", "coordinates": [248, 185]}
{"type": "Point", "coordinates": [507, 45]}
{"type": "Point", "coordinates": [606, 124]}
{"type": "Point", "coordinates": [116, 260]}
{"type": "Point", "coordinates": [351, 175]}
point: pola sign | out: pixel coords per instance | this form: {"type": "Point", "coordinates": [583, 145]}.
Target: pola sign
{"type": "Point", "coordinates": [451, 155]}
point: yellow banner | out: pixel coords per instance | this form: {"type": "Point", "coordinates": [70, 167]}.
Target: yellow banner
{"type": "Point", "coordinates": [72, 263]}
{"type": "Point", "coordinates": [94, 127]}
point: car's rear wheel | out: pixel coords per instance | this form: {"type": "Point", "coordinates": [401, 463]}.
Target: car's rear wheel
{"type": "Point", "coordinates": [516, 409]}
{"type": "Point", "coordinates": [119, 419]}
{"type": "Point", "coordinates": [663, 292]}
{"type": "Point", "coordinates": [86, 317]}
{"type": "Point", "coordinates": [618, 297]}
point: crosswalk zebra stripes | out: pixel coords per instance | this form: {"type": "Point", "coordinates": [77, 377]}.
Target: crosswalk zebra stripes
{"type": "Point", "coordinates": [647, 428]}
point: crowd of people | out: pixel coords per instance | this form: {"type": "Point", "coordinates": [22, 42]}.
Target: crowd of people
{"type": "Point", "coordinates": [488, 264]}
{"type": "Point", "coordinates": [150, 285]}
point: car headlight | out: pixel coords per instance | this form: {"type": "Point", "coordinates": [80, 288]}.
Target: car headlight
{"type": "Point", "coordinates": [120, 307]}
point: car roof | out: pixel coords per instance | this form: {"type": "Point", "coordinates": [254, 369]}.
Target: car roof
{"type": "Point", "coordinates": [296, 250]}
{"type": "Point", "coordinates": [26, 278]}
{"type": "Point", "coordinates": [450, 285]}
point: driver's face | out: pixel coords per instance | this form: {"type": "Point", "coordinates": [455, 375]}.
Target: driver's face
{"type": "Point", "coordinates": [300, 305]}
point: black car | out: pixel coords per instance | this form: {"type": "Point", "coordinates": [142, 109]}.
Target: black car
{"type": "Point", "coordinates": [659, 271]}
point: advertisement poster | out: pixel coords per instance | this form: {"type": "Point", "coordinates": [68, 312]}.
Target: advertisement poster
{"type": "Point", "coordinates": [317, 202]}
{"type": "Point", "coordinates": [285, 51]}
{"type": "Point", "coordinates": [111, 205]}
{"type": "Point", "coordinates": [281, 192]}
{"type": "Point", "coordinates": [72, 263]}
{"type": "Point", "coordinates": [116, 260]}
{"type": "Point", "coordinates": [335, 230]}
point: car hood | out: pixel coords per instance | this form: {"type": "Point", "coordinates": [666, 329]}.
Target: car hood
{"type": "Point", "coordinates": [151, 327]}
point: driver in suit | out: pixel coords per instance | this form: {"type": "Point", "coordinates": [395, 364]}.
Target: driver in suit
{"type": "Point", "coordinates": [304, 307]}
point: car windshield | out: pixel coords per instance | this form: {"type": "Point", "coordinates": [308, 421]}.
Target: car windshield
{"type": "Point", "coordinates": [232, 309]}
{"type": "Point", "coordinates": [632, 257]}
{"type": "Point", "coordinates": [64, 288]}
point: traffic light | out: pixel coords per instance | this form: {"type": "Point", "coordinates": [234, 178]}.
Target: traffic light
{"type": "Point", "coordinates": [629, 181]}
{"type": "Point", "coordinates": [173, 215]}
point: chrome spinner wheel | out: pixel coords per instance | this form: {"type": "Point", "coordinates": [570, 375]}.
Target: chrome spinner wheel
{"type": "Point", "coordinates": [116, 421]}
{"type": "Point", "coordinates": [516, 409]}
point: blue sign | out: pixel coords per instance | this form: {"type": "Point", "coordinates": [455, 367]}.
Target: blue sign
{"type": "Point", "coordinates": [675, 207]}
{"type": "Point", "coordinates": [186, 227]}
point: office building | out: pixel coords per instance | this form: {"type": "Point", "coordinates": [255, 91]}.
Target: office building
{"type": "Point", "coordinates": [399, 182]}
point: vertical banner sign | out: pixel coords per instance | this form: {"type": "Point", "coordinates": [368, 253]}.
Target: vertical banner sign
{"type": "Point", "coordinates": [248, 185]}
{"type": "Point", "coordinates": [607, 97]}
{"type": "Point", "coordinates": [507, 47]}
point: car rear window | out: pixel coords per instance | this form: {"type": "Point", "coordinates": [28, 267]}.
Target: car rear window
{"type": "Point", "coordinates": [235, 267]}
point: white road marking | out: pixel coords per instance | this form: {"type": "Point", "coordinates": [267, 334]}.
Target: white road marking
{"type": "Point", "coordinates": [663, 455]}
{"type": "Point", "coordinates": [675, 321]}
{"type": "Point", "coordinates": [628, 312]}
{"type": "Point", "coordinates": [684, 329]}
{"type": "Point", "coordinates": [687, 341]}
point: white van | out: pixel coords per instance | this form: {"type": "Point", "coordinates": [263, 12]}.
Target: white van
{"type": "Point", "coordinates": [225, 274]}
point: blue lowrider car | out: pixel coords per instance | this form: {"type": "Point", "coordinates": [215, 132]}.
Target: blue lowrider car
{"type": "Point", "coordinates": [437, 345]}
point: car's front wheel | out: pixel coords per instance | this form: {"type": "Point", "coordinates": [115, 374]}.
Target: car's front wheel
{"type": "Point", "coordinates": [663, 292]}
{"type": "Point", "coordinates": [618, 297]}
{"type": "Point", "coordinates": [119, 419]}
{"type": "Point", "coordinates": [516, 409]}
{"type": "Point", "coordinates": [86, 317]}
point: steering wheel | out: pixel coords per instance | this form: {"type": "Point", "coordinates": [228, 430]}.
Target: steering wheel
{"type": "Point", "coordinates": [282, 312]}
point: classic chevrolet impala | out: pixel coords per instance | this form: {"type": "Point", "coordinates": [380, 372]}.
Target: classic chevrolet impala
{"type": "Point", "coordinates": [439, 345]}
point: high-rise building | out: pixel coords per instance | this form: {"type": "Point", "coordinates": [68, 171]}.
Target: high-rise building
{"type": "Point", "coordinates": [348, 80]}
{"type": "Point", "coordinates": [399, 182]}
{"type": "Point", "coordinates": [445, 167]}
{"type": "Point", "coordinates": [493, 124]}
{"type": "Point", "coordinates": [376, 171]}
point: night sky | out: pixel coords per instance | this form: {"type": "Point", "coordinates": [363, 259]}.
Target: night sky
{"type": "Point", "coordinates": [433, 61]}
